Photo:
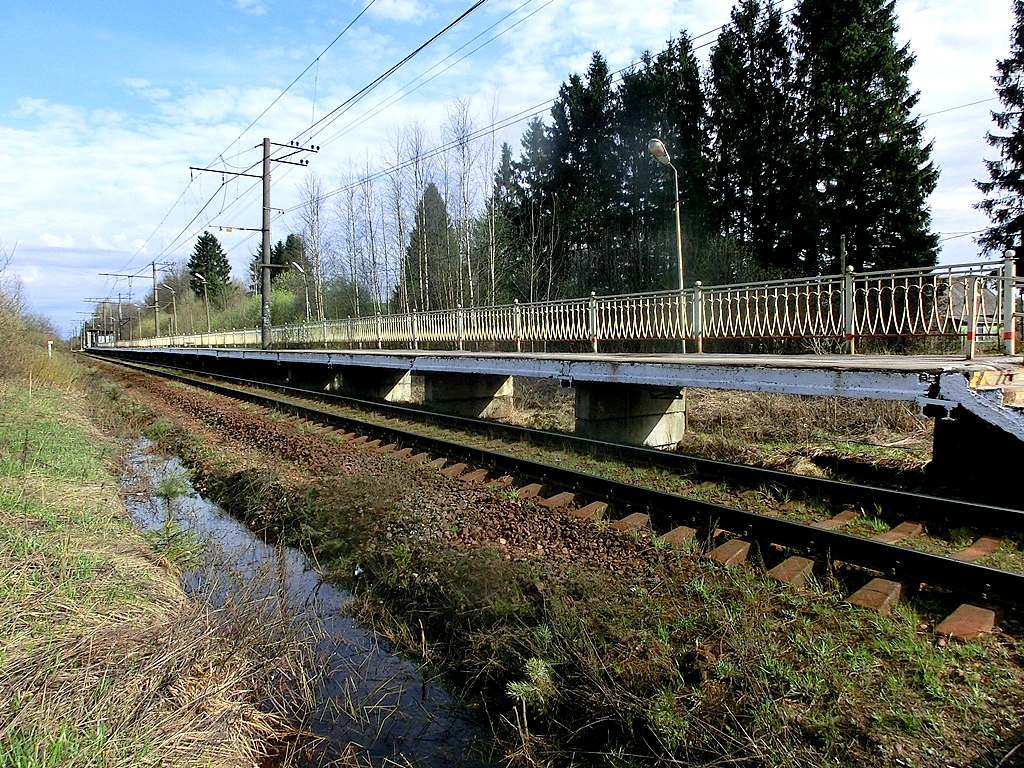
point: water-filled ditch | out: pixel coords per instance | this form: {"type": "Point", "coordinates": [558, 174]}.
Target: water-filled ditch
{"type": "Point", "coordinates": [364, 695]}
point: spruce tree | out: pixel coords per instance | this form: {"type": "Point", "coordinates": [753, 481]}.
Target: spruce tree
{"type": "Point", "coordinates": [754, 145]}
{"type": "Point", "coordinates": [868, 172]}
{"type": "Point", "coordinates": [662, 98]}
{"type": "Point", "coordinates": [431, 261]}
{"type": "Point", "coordinates": [209, 260]}
{"type": "Point", "coordinates": [1004, 191]}
{"type": "Point", "coordinates": [585, 177]}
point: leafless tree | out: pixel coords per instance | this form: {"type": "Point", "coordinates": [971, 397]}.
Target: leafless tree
{"type": "Point", "coordinates": [314, 234]}
{"type": "Point", "coordinates": [458, 137]}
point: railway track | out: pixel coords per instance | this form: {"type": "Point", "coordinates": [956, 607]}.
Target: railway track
{"type": "Point", "coordinates": [789, 549]}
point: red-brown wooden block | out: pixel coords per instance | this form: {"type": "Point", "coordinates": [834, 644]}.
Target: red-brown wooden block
{"type": "Point", "coordinates": [843, 518]}
{"type": "Point", "coordinates": [733, 552]}
{"type": "Point", "coordinates": [634, 522]}
{"type": "Point", "coordinates": [794, 571]}
{"type": "Point", "coordinates": [529, 491]}
{"type": "Point", "coordinates": [593, 511]}
{"type": "Point", "coordinates": [476, 476]}
{"type": "Point", "coordinates": [559, 500]}
{"type": "Point", "coordinates": [986, 545]}
{"type": "Point", "coordinates": [679, 537]}
{"type": "Point", "coordinates": [899, 533]}
{"type": "Point", "coordinates": [454, 470]}
{"type": "Point", "coordinates": [968, 622]}
{"type": "Point", "coordinates": [879, 595]}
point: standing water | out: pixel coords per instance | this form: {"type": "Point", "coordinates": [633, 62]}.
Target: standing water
{"type": "Point", "coordinates": [365, 696]}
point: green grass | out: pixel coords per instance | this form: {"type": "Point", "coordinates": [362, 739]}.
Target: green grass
{"type": "Point", "coordinates": [103, 660]}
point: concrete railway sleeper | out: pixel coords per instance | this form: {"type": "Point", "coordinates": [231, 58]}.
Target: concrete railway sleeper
{"type": "Point", "coordinates": [790, 550]}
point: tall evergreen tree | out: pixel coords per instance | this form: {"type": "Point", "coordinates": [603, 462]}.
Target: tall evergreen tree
{"type": "Point", "coordinates": [868, 171]}
{"type": "Point", "coordinates": [533, 209]}
{"type": "Point", "coordinates": [431, 260]}
{"type": "Point", "coordinates": [585, 176]}
{"type": "Point", "coordinates": [662, 98]}
{"type": "Point", "coordinates": [209, 260]}
{"type": "Point", "coordinates": [754, 145]}
{"type": "Point", "coordinates": [1004, 191]}
{"type": "Point", "coordinates": [282, 254]}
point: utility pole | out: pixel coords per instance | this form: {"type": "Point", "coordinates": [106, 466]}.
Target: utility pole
{"type": "Point", "coordinates": [156, 304]}
{"type": "Point", "coordinates": [265, 271]}
{"type": "Point", "coordinates": [265, 266]}
{"type": "Point", "coordinates": [156, 298]}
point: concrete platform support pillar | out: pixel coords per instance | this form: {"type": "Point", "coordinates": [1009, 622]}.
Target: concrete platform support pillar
{"type": "Point", "coordinates": [478, 396]}
{"type": "Point", "coordinates": [389, 385]}
{"type": "Point", "coordinates": [634, 415]}
{"type": "Point", "coordinates": [972, 456]}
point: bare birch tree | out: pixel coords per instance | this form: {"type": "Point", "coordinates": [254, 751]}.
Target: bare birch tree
{"type": "Point", "coordinates": [314, 235]}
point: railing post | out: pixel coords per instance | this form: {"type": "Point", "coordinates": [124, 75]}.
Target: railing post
{"type": "Point", "coordinates": [1009, 303]}
{"type": "Point", "coordinates": [698, 315]}
{"type": "Point", "coordinates": [459, 331]}
{"type": "Point", "coordinates": [593, 321]}
{"type": "Point", "coordinates": [380, 335]}
{"type": "Point", "coordinates": [971, 305]}
{"type": "Point", "coordinates": [518, 318]}
{"type": "Point", "coordinates": [415, 329]}
{"type": "Point", "coordinates": [849, 312]}
{"type": "Point", "coordinates": [325, 333]}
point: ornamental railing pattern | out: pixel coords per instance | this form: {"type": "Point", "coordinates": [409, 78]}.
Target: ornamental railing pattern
{"type": "Point", "coordinates": [964, 305]}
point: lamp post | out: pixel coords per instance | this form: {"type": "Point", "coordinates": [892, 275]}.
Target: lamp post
{"type": "Point", "coordinates": [174, 308]}
{"type": "Point", "coordinates": [657, 148]}
{"type": "Point", "coordinates": [305, 284]}
{"type": "Point", "coordinates": [206, 299]}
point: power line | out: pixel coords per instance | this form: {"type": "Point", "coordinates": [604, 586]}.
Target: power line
{"type": "Point", "coordinates": [403, 93]}
{"type": "Point", "coordinates": [331, 116]}
{"type": "Point", "coordinates": [960, 106]}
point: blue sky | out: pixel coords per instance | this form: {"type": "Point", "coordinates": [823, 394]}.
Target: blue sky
{"type": "Point", "coordinates": [105, 105]}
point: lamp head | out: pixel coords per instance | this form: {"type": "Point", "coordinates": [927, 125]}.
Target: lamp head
{"type": "Point", "coordinates": [657, 148]}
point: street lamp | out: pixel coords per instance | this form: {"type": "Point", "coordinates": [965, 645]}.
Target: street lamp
{"type": "Point", "coordinates": [174, 308]}
{"type": "Point", "coordinates": [657, 148]}
{"type": "Point", "coordinates": [305, 284]}
{"type": "Point", "coordinates": [206, 299]}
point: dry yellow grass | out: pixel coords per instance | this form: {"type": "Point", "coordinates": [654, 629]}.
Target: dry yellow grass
{"type": "Point", "coordinates": [103, 658]}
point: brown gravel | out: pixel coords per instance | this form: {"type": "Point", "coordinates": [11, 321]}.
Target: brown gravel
{"type": "Point", "coordinates": [465, 516]}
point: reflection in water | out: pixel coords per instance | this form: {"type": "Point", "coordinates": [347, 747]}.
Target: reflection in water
{"type": "Point", "coordinates": [365, 695]}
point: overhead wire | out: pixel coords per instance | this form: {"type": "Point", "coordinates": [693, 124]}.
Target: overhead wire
{"type": "Point", "coordinates": [249, 127]}
{"type": "Point", "coordinates": [325, 121]}
{"type": "Point", "coordinates": [331, 116]}
{"type": "Point", "coordinates": [355, 98]}
{"type": "Point", "coordinates": [406, 91]}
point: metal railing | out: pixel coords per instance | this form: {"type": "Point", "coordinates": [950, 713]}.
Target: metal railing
{"type": "Point", "coordinates": [965, 305]}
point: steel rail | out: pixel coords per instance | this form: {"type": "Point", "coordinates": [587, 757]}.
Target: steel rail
{"type": "Point", "coordinates": [668, 510]}
{"type": "Point", "coordinates": [995, 519]}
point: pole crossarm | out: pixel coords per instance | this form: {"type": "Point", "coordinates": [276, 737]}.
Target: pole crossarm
{"type": "Point", "coordinates": [225, 173]}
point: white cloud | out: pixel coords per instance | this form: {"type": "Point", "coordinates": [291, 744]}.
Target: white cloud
{"type": "Point", "coordinates": [397, 10]}
{"type": "Point", "coordinates": [56, 241]}
{"type": "Point", "coordinates": [254, 7]}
